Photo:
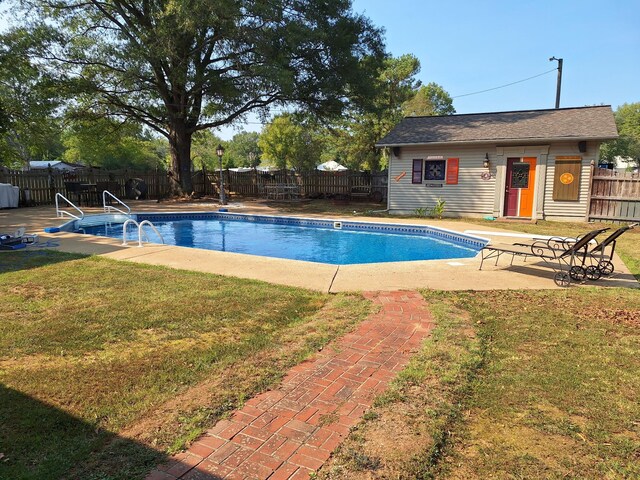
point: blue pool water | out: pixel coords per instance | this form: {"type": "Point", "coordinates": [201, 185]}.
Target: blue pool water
{"type": "Point", "coordinates": [297, 242]}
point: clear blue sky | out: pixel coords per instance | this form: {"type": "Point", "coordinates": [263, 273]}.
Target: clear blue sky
{"type": "Point", "coordinates": [468, 46]}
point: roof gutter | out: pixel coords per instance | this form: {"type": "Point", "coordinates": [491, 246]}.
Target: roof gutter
{"type": "Point", "coordinates": [498, 141]}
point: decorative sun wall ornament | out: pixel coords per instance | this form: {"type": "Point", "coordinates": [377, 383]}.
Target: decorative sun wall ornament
{"type": "Point", "coordinates": [566, 178]}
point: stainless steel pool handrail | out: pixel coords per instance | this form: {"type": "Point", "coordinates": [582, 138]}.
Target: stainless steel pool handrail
{"type": "Point", "coordinates": [61, 213]}
{"type": "Point", "coordinates": [153, 227]}
{"type": "Point", "coordinates": [140, 231]}
{"type": "Point", "coordinates": [124, 230]}
{"type": "Point", "coordinates": [108, 208]}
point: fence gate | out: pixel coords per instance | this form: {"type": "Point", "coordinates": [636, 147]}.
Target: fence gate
{"type": "Point", "coordinates": [615, 196]}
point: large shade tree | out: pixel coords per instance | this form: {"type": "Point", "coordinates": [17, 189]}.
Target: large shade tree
{"type": "Point", "coordinates": [180, 66]}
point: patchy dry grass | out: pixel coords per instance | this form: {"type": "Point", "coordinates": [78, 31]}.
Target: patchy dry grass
{"type": "Point", "coordinates": [403, 434]}
{"type": "Point", "coordinates": [524, 385]}
{"type": "Point", "coordinates": [118, 362]}
{"type": "Point", "coordinates": [530, 385]}
{"type": "Point", "coordinates": [104, 366]}
{"type": "Point", "coordinates": [558, 395]}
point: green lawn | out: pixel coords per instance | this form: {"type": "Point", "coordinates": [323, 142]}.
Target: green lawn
{"type": "Point", "coordinates": [558, 394]}
{"type": "Point", "coordinates": [104, 365]}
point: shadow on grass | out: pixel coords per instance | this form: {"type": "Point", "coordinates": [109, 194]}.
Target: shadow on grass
{"type": "Point", "coordinates": [42, 442]}
{"type": "Point", "coordinates": [31, 257]}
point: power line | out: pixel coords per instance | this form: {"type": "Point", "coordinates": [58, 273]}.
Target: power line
{"type": "Point", "coordinates": [457, 96]}
{"type": "Point", "coordinates": [507, 85]}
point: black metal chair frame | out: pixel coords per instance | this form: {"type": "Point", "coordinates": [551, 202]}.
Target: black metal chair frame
{"type": "Point", "coordinates": [600, 258]}
{"type": "Point", "coordinates": [590, 272]}
{"type": "Point", "coordinates": [566, 259]}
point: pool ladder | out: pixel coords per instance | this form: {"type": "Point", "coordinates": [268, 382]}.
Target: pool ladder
{"type": "Point", "coordinates": [140, 231]}
{"type": "Point", "coordinates": [106, 194]}
{"type": "Point", "coordinates": [60, 212]}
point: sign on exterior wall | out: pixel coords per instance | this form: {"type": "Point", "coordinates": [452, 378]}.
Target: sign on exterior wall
{"type": "Point", "coordinates": [566, 179]}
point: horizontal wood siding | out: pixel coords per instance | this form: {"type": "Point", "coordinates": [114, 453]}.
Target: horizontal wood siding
{"type": "Point", "coordinates": [569, 210]}
{"type": "Point", "coordinates": [471, 196]}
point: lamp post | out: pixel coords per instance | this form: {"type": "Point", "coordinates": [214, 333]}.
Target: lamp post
{"type": "Point", "coordinates": [220, 153]}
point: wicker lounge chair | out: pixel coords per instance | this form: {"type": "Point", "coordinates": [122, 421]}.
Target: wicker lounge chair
{"type": "Point", "coordinates": [567, 259]}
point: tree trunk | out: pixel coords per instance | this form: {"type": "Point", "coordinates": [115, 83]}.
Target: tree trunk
{"type": "Point", "coordinates": [180, 180]}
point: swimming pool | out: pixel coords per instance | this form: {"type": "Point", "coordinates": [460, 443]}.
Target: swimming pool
{"type": "Point", "coordinates": [314, 240]}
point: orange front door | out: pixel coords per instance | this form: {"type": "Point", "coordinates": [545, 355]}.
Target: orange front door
{"type": "Point", "coordinates": [520, 187]}
{"type": "Point", "coordinates": [526, 194]}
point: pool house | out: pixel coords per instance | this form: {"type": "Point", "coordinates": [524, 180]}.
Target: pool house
{"type": "Point", "coordinates": [529, 165]}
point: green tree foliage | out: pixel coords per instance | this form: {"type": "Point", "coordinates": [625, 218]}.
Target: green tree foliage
{"type": "Point", "coordinates": [184, 66]}
{"type": "Point", "coordinates": [29, 128]}
{"type": "Point", "coordinates": [104, 143]}
{"type": "Point", "coordinates": [430, 99]}
{"type": "Point", "coordinates": [243, 149]}
{"type": "Point", "coordinates": [289, 142]}
{"type": "Point", "coordinates": [203, 150]}
{"type": "Point", "coordinates": [357, 134]}
{"type": "Point", "coordinates": [628, 145]}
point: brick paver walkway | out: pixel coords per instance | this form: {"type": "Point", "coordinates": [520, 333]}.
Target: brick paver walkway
{"type": "Point", "coordinates": [290, 432]}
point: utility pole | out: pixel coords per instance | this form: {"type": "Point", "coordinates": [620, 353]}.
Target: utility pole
{"type": "Point", "coordinates": [559, 60]}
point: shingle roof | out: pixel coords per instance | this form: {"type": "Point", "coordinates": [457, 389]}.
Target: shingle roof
{"type": "Point", "coordinates": [565, 123]}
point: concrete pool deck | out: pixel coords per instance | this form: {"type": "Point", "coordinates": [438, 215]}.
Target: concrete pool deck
{"type": "Point", "coordinates": [458, 274]}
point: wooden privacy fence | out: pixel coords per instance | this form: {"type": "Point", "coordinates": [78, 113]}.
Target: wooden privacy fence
{"type": "Point", "coordinates": [42, 185]}
{"type": "Point", "coordinates": [615, 196]}
{"type": "Point", "coordinates": [312, 184]}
